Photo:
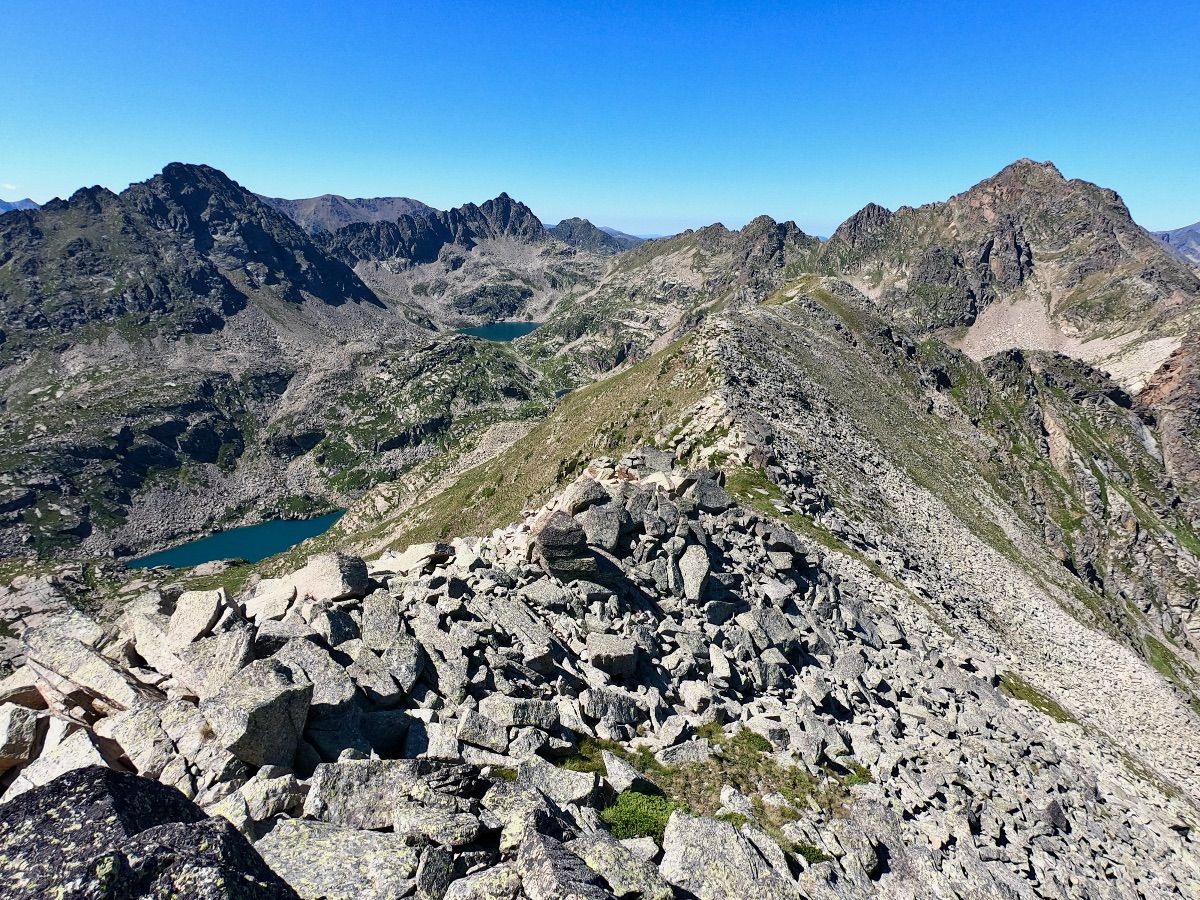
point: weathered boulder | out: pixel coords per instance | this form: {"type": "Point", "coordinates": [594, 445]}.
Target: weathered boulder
{"type": "Point", "coordinates": [519, 712]}
{"type": "Point", "coordinates": [563, 786]}
{"type": "Point", "coordinates": [94, 832]}
{"type": "Point", "coordinates": [78, 750]}
{"type": "Point", "coordinates": [434, 873]}
{"type": "Point", "coordinates": [271, 792]}
{"type": "Point", "coordinates": [405, 659]}
{"type": "Point", "coordinates": [209, 663]}
{"type": "Point", "coordinates": [196, 612]}
{"type": "Point", "coordinates": [614, 654]}
{"type": "Point", "coordinates": [439, 826]}
{"type": "Point", "coordinates": [208, 860]}
{"type": "Point", "coordinates": [482, 731]}
{"type": "Point", "coordinates": [271, 600]}
{"type": "Point", "coordinates": [259, 714]}
{"type": "Point", "coordinates": [331, 576]}
{"type": "Point", "coordinates": [76, 675]}
{"type": "Point", "coordinates": [602, 525]}
{"type": "Point", "coordinates": [415, 558]}
{"type": "Point", "coordinates": [381, 620]}
{"type": "Point", "coordinates": [708, 493]}
{"type": "Point", "coordinates": [362, 793]}
{"type": "Point", "coordinates": [328, 862]}
{"type": "Point", "coordinates": [18, 735]}
{"type": "Point", "coordinates": [497, 883]}
{"type": "Point", "coordinates": [624, 777]}
{"type": "Point", "coordinates": [585, 492]}
{"type": "Point", "coordinates": [711, 860]}
{"type": "Point", "coordinates": [21, 688]}
{"type": "Point", "coordinates": [522, 811]}
{"type": "Point", "coordinates": [560, 545]}
{"type": "Point", "coordinates": [551, 872]}
{"type": "Point", "coordinates": [626, 874]}
{"type": "Point", "coordinates": [694, 567]}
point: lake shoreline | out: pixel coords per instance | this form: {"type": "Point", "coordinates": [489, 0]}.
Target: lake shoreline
{"type": "Point", "coordinates": [252, 543]}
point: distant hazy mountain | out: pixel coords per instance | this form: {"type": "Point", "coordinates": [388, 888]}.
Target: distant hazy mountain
{"type": "Point", "coordinates": [329, 212]}
{"type": "Point", "coordinates": [10, 205]}
{"type": "Point", "coordinates": [632, 240]}
{"type": "Point", "coordinates": [1183, 242]}
{"type": "Point", "coordinates": [582, 233]}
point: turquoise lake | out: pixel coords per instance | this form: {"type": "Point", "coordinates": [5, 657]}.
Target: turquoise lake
{"type": "Point", "coordinates": [501, 331]}
{"type": "Point", "coordinates": [251, 543]}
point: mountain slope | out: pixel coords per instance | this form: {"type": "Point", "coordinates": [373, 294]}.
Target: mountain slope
{"type": "Point", "coordinates": [631, 240]}
{"type": "Point", "coordinates": [183, 251]}
{"type": "Point", "coordinates": [1184, 242]}
{"type": "Point", "coordinates": [329, 212]}
{"type": "Point", "coordinates": [653, 292]}
{"type": "Point", "coordinates": [919, 606]}
{"type": "Point", "coordinates": [1025, 259]}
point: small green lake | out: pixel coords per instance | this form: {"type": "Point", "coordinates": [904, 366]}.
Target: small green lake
{"type": "Point", "coordinates": [501, 331]}
{"type": "Point", "coordinates": [250, 542]}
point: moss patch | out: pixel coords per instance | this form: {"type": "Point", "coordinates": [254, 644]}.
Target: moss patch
{"type": "Point", "coordinates": [1019, 689]}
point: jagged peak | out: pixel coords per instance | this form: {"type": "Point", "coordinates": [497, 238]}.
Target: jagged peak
{"type": "Point", "coordinates": [868, 221]}
{"type": "Point", "coordinates": [1025, 166]}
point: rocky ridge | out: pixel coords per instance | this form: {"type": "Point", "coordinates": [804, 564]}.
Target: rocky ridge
{"type": "Point", "coordinates": [487, 712]}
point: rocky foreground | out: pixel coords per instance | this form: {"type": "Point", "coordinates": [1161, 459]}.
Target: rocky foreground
{"type": "Point", "coordinates": [641, 690]}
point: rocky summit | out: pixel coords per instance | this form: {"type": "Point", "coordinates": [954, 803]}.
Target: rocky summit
{"type": "Point", "coordinates": [766, 566]}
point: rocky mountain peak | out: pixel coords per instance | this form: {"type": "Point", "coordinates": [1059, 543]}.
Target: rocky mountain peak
{"type": "Point", "coordinates": [863, 225]}
{"type": "Point", "coordinates": [506, 217]}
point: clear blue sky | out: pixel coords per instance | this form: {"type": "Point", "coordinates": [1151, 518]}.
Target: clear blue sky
{"type": "Point", "coordinates": [650, 117]}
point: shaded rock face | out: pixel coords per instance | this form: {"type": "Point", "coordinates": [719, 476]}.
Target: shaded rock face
{"type": "Point", "coordinates": [98, 833]}
{"type": "Point", "coordinates": [1172, 400]}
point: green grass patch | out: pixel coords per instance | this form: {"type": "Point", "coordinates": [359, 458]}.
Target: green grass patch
{"type": "Point", "coordinates": [637, 815]}
{"type": "Point", "coordinates": [1019, 689]}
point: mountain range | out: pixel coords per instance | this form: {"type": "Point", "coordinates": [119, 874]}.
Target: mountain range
{"type": "Point", "coordinates": [869, 566]}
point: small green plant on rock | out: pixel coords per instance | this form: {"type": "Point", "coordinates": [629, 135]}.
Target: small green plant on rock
{"type": "Point", "coordinates": [638, 815]}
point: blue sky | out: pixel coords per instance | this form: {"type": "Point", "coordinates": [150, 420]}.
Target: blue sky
{"type": "Point", "coordinates": [650, 117]}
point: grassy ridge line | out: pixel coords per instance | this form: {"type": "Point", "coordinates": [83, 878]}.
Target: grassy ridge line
{"type": "Point", "coordinates": [606, 417]}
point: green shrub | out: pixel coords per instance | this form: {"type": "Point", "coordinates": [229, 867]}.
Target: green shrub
{"type": "Point", "coordinates": [638, 815]}
{"type": "Point", "coordinates": [859, 774]}
{"type": "Point", "coordinates": [812, 854]}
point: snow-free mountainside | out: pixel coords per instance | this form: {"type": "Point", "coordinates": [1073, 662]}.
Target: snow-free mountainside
{"type": "Point", "coordinates": [765, 567]}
